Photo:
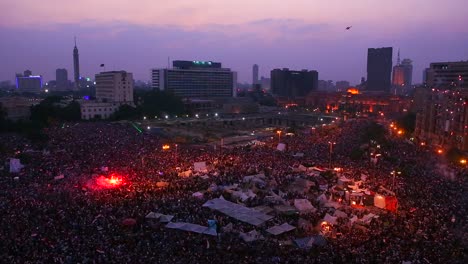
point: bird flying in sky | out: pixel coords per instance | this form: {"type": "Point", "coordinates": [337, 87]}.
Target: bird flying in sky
{"type": "Point", "coordinates": [348, 28]}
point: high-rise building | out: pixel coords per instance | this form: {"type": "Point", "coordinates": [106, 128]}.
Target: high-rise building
{"type": "Point", "coordinates": [292, 84]}
{"type": "Point", "coordinates": [114, 86]}
{"type": "Point", "coordinates": [379, 69]}
{"type": "Point", "coordinates": [28, 82]}
{"type": "Point", "coordinates": [196, 79]}
{"type": "Point", "coordinates": [447, 74]}
{"type": "Point", "coordinates": [61, 78]}
{"type": "Point", "coordinates": [254, 74]}
{"type": "Point", "coordinates": [113, 89]}
{"type": "Point", "coordinates": [76, 66]}
{"type": "Point", "coordinates": [407, 65]}
{"type": "Point", "coordinates": [402, 75]}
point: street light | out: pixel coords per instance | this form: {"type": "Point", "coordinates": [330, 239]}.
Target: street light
{"type": "Point", "coordinates": [394, 173]}
{"type": "Point", "coordinates": [463, 161]}
{"type": "Point", "coordinates": [279, 135]}
{"type": "Point", "coordinates": [330, 153]}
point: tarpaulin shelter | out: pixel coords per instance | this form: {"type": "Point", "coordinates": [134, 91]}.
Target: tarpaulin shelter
{"type": "Point", "coordinates": [391, 203]}
{"type": "Point", "coordinates": [280, 229]}
{"type": "Point", "coordinates": [251, 236]}
{"type": "Point", "coordinates": [330, 219]}
{"type": "Point", "coordinates": [304, 206]}
{"type": "Point", "coordinates": [15, 165]}
{"type": "Point", "coordinates": [281, 147]}
{"type": "Point", "coordinates": [285, 209]}
{"type": "Point", "coordinates": [199, 166]}
{"type": "Point", "coordinates": [239, 212]}
{"type": "Point", "coordinates": [379, 201]}
{"type": "Point", "coordinates": [192, 228]}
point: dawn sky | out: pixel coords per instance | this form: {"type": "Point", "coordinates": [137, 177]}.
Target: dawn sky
{"type": "Point", "coordinates": [136, 35]}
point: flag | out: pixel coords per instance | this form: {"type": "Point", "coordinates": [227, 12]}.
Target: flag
{"type": "Point", "coordinates": [102, 65]}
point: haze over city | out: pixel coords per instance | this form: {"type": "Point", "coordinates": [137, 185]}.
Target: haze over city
{"type": "Point", "coordinates": [234, 131]}
{"type": "Point", "coordinates": [139, 35]}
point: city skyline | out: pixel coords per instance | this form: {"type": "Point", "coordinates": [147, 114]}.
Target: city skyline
{"type": "Point", "coordinates": [305, 37]}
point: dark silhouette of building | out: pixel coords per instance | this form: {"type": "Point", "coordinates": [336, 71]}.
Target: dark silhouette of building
{"type": "Point", "coordinates": [447, 74]}
{"type": "Point", "coordinates": [292, 84]}
{"type": "Point", "coordinates": [379, 69]}
{"type": "Point", "coordinates": [28, 82]}
{"type": "Point", "coordinates": [61, 78]}
{"type": "Point", "coordinates": [76, 66]}
{"type": "Point", "coordinates": [196, 79]}
{"type": "Point", "coordinates": [254, 74]}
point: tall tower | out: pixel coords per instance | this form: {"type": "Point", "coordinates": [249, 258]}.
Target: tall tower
{"type": "Point", "coordinates": [254, 74]}
{"type": "Point", "coordinates": [76, 66]}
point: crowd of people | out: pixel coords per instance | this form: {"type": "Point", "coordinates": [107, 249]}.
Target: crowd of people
{"type": "Point", "coordinates": [69, 221]}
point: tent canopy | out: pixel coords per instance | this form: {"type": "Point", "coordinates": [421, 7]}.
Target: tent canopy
{"type": "Point", "coordinates": [280, 229]}
{"type": "Point", "coordinates": [239, 212]}
{"type": "Point", "coordinates": [192, 228]}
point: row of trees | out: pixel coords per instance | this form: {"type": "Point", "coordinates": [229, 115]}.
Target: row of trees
{"type": "Point", "coordinates": [151, 103]}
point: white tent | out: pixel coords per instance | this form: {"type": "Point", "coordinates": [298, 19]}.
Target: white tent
{"type": "Point", "coordinates": [298, 155]}
{"type": "Point", "coordinates": [200, 166]}
{"type": "Point", "coordinates": [322, 199]}
{"type": "Point", "coordinates": [239, 212]}
{"type": "Point", "coordinates": [15, 165]}
{"type": "Point", "coordinates": [330, 219]}
{"type": "Point", "coordinates": [341, 214]}
{"type": "Point", "coordinates": [304, 206]}
{"type": "Point", "coordinates": [59, 177]}
{"type": "Point", "coordinates": [280, 229]}
{"type": "Point", "coordinates": [192, 228]}
{"type": "Point", "coordinates": [165, 218]}
{"type": "Point", "coordinates": [251, 236]}
{"type": "Point", "coordinates": [281, 147]}
{"type": "Point", "coordinates": [198, 195]}
{"type": "Point", "coordinates": [185, 174]}
{"type": "Point", "coordinates": [153, 215]}
{"type": "Point", "coordinates": [379, 201]}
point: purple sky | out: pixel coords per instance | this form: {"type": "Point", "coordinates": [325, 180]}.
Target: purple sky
{"type": "Point", "coordinates": [139, 35]}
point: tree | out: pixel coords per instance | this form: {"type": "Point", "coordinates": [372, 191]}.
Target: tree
{"type": "Point", "coordinates": [126, 112]}
{"type": "Point", "coordinates": [160, 102]}
{"type": "Point", "coordinates": [407, 123]}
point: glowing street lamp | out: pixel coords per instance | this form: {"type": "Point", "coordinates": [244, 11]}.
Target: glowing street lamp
{"type": "Point", "coordinates": [279, 135]}
{"type": "Point", "coordinates": [330, 153]}
{"type": "Point", "coordinates": [463, 161]}
{"type": "Point", "coordinates": [440, 151]}
{"type": "Point", "coordinates": [166, 147]}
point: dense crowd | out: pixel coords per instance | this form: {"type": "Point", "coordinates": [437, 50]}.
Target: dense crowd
{"type": "Point", "coordinates": [68, 221]}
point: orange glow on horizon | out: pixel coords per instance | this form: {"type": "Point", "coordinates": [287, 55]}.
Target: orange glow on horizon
{"type": "Point", "coordinates": [353, 91]}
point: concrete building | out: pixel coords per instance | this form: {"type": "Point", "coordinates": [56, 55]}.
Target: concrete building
{"type": "Point", "coordinates": [255, 75]}
{"type": "Point", "coordinates": [113, 89]}
{"type": "Point", "coordinates": [447, 74]}
{"type": "Point", "coordinates": [442, 119]}
{"type": "Point", "coordinates": [29, 83]}
{"type": "Point", "coordinates": [379, 69]}
{"type": "Point", "coordinates": [292, 84]}
{"type": "Point", "coordinates": [97, 110]}
{"type": "Point", "coordinates": [61, 78]}
{"type": "Point", "coordinates": [114, 86]}
{"type": "Point", "coordinates": [196, 79]}
{"type": "Point", "coordinates": [17, 107]}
